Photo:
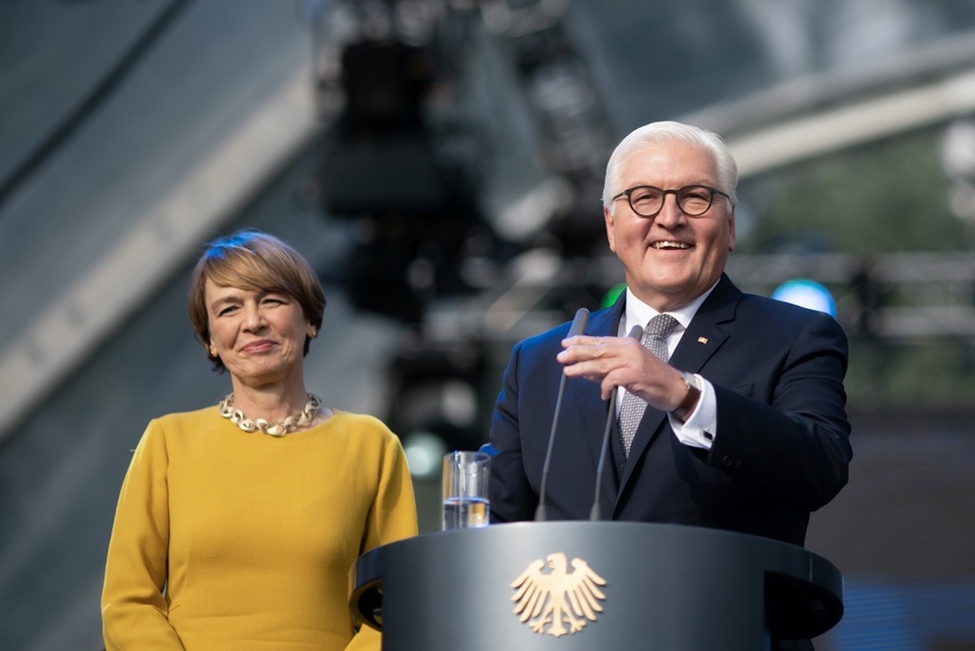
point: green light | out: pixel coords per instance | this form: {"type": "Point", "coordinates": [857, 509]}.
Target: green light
{"type": "Point", "coordinates": [613, 294]}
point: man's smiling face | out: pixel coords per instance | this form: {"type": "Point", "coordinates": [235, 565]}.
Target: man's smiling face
{"type": "Point", "coordinates": [670, 259]}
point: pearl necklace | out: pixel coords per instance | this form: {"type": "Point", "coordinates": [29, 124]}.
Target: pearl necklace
{"type": "Point", "coordinates": [287, 426]}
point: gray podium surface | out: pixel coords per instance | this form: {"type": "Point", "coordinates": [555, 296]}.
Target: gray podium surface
{"type": "Point", "coordinates": [595, 585]}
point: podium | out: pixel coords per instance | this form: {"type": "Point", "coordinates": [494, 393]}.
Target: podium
{"type": "Point", "coordinates": [571, 586]}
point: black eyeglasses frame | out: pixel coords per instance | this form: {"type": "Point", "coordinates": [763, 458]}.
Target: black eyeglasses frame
{"type": "Point", "coordinates": [677, 193]}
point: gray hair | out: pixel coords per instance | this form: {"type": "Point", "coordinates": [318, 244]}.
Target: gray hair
{"type": "Point", "coordinates": [669, 131]}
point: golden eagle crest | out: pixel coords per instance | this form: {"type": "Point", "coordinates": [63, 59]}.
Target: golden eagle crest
{"type": "Point", "coordinates": [558, 599]}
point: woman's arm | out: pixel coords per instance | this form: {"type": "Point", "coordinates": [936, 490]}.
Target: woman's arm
{"type": "Point", "coordinates": [392, 517]}
{"type": "Point", "coordinates": [134, 610]}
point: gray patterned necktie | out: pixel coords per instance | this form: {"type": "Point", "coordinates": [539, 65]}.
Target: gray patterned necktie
{"type": "Point", "coordinates": [632, 407]}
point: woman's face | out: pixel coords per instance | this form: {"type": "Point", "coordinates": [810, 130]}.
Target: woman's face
{"type": "Point", "coordinates": [259, 335]}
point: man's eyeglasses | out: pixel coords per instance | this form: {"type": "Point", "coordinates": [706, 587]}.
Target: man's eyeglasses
{"type": "Point", "coordinates": [693, 200]}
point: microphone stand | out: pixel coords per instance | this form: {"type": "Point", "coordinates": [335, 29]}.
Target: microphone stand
{"type": "Point", "coordinates": [578, 325]}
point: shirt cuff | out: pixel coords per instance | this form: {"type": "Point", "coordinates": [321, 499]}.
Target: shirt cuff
{"type": "Point", "coordinates": [701, 425]}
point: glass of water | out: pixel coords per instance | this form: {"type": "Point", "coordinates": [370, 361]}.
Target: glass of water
{"type": "Point", "coordinates": [465, 490]}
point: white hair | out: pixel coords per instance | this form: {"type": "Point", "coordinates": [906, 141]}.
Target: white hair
{"type": "Point", "coordinates": [669, 131]}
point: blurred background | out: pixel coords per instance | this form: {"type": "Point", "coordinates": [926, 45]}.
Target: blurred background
{"type": "Point", "coordinates": [440, 163]}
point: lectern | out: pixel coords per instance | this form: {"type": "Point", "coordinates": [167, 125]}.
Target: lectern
{"type": "Point", "coordinates": [571, 586]}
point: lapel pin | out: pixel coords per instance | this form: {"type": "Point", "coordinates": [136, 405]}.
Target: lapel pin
{"type": "Point", "coordinates": [702, 340]}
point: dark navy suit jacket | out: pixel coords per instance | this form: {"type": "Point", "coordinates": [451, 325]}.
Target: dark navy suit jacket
{"type": "Point", "coordinates": [782, 444]}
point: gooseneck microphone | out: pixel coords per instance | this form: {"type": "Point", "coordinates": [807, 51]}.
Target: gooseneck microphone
{"type": "Point", "coordinates": [596, 513]}
{"type": "Point", "coordinates": [578, 325]}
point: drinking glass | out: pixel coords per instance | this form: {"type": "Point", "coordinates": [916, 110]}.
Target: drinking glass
{"type": "Point", "coordinates": [465, 490]}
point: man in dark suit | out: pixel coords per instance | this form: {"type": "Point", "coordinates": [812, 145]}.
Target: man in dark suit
{"type": "Point", "coordinates": [744, 426]}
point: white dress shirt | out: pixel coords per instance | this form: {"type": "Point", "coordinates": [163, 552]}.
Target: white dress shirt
{"type": "Point", "coordinates": [701, 426]}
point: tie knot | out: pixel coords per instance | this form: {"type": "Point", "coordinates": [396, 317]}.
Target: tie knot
{"type": "Point", "coordinates": [661, 326]}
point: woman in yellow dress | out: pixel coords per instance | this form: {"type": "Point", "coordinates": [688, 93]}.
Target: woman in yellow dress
{"type": "Point", "coordinates": [238, 524]}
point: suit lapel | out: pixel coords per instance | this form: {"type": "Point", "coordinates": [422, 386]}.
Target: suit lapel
{"type": "Point", "coordinates": [704, 336]}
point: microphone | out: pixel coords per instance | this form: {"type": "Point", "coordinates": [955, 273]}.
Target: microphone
{"type": "Point", "coordinates": [596, 513]}
{"type": "Point", "coordinates": [578, 325]}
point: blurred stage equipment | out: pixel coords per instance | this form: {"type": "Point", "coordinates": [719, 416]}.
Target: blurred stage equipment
{"type": "Point", "coordinates": [436, 393]}
{"type": "Point", "coordinates": [389, 71]}
{"type": "Point", "coordinates": [575, 132]}
{"type": "Point", "coordinates": [387, 171]}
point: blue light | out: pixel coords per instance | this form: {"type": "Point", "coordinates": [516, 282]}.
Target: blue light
{"type": "Point", "coordinates": [806, 293]}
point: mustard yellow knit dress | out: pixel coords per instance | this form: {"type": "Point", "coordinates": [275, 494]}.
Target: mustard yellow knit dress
{"type": "Point", "coordinates": [242, 541]}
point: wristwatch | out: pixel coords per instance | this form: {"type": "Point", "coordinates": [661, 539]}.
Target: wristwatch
{"type": "Point", "coordinates": [686, 406]}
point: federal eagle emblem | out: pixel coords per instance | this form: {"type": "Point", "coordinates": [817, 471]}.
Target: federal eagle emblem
{"type": "Point", "coordinates": [561, 600]}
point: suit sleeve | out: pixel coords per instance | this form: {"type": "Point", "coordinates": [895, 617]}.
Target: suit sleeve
{"type": "Point", "coordinates": [512, 496]}
{"type": "Point", "coordinates": [792, 439]}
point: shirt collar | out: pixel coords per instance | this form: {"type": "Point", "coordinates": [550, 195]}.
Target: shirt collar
{"type": "Point", "coordinates": [639, 313]}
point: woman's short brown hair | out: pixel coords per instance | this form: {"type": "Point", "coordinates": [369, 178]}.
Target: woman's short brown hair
{"type": "Point", "coordinates": [253, 260]}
